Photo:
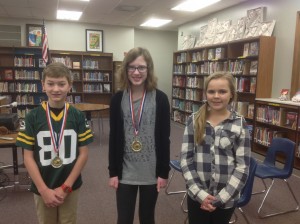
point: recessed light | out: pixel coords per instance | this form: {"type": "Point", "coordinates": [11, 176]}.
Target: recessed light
{"type": "Point", "coordinates": [68, 15]}
{"type": "Point", "coordinates": [156, 22]}
{"type": "Point", "coordinates": [194, 5]}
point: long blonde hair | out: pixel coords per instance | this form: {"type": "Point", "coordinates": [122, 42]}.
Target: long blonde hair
{"type": "Point", "coordinates": [201, 115]}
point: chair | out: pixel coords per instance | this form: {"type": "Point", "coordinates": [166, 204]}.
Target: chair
{"type": "Point", "coordinates": [268, 169]}
{"type": "Point", "coordinates": [247, 191]}
{"type": "Point", "coordinates": [175, 166]}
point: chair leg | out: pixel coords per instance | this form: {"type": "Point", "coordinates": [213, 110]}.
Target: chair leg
{"type": "Point", "coordinates": [244, 215]}
{"type": "Point", "coordinates": [182, 203]}
{"type": "Point", "coordinates": [234, 218]}
{"type": "Point", "coordinates": [264, 190]}
{"type": "Point", "coordinates": [168, 184]}
{"type": "Point", "coordinates": [277, 213]}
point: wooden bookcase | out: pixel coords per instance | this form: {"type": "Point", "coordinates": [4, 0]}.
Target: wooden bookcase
{"type": "Point", "coordinates": [250, 61]}
{"type": "Point", "coordinates": [21, 73]}
{"type": "Point", "coordinates": [275, 118]}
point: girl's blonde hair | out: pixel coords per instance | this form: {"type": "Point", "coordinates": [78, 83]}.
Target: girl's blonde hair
{"type": "Point", "coordinates": [151, 81]}
{"type": "Point", "coordinates": [201, 115]}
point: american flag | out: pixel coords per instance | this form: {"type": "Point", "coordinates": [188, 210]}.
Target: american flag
{"type": "Point", "coordinates": [45, 44]}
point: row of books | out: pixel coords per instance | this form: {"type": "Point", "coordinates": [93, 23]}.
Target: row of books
{"type": "Point", "coordinates": [245, 85]}
{"type": "Point", "coordinates": [97, 88]}
{"type": "Point", "coordinates": [264, 136]}
{"type": "Point", "coordinates": [190, 82]}
{"type": "Point", "coordinates": [67, 61]}
{"type": "Point", "coordinates": [186, 106]}
{"type": "Point", "coordinates": [243, 67]}
{"type": "Point", "coordinates": [193, 94]}
{"type": "Point", "coordinates": [28, 87]}
{"type": "Point", "coordinates": [178, 81]}
{"type": "Point", "coordinates": [181, 58]}
{"type": "Point", "coordinates": [178, 104]}
{"type": "Point", "coordinates": [191, 107]}
{"type": "Point", "coordinates": [245, 109]}
{"type": "Point", "coordinates": [194, 82]}
{"type": "Point", "coordinates": [7, 87]}
{"type": "Point", "coordinates": [179, 116]}
{"type": "Point", "coordinates": [90, 64]}
{"type": "Point", "coordinates": [27, 99]}
{"type": "Point", "coordinates": [178, 93]}
{"type": "Point", "coordinates": [216, 53]}
{"type": "Point", "coordinates": [277, 116]}
{"type": "Point", "coordinates": [73, 99]}
{"type": "Point", "coordinates": [251, 49]}
{"type": "Point", "coordinates": [27, 74]}
{"type": "Point", "coordinates": [24, 61]}
{"type": "Point", "coordinates": [96, 76]}
{"type": "Point", "coordinates": [236, 67]}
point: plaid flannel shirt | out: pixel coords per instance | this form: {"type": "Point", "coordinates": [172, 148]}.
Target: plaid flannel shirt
{"type": "Point", "coordinates": [220, 165]}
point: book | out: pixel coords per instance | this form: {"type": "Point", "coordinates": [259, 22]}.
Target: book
{"type": "Point", "coordinates": [77, 99]}
{"type": "Point", "coordinates": [253, 67]}
{"type": "Point", "coordinates": [246, 67]}
{"type": "Point", "coordinates": [42, 64]}
{"type": "Point", "coordinates": [242, 108]}
{"type": "Point", "coordinates": [250, 111]}
{"type": "Point", "coordinates": [8, 74]}
{"type": "Point", "coordinates": [220, 53]}
{"type": "Point", "coordinates": [246, 50]}
{"type": "Point", "coordinates": [252, 85]}
{"type": "Point", "coordinates": [106, 88]}
{"type": "Point", "coordinates": [76, 64]}
{"type": "Point", "coordinates": [75, 76]}
{"type": "Point", "coordinates": [253, 49]}
{"type": "Point", "coordinates": [291, 119]}
{"type": "Point", "coordinates": [106, 77]}
{"type": "Point", "coordinates": [211, 54]}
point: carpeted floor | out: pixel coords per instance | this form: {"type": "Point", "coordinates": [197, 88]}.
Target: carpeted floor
{"type": "Point", "coordinates": [97, 201]}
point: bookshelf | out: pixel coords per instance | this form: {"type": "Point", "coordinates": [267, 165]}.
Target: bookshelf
{"type": "Point", "coordinates": [249, 60]}
{"type": "Point", "coordinates": [275, 118]}
{"type": "Point", "coordinates": [21, 73]}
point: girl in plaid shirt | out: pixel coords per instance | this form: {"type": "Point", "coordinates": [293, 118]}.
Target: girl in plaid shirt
{"type": "Point", "coordinates": [215, 154]}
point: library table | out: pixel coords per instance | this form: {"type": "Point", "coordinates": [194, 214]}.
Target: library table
{"type": "Point", "coordinates": [88, 108]}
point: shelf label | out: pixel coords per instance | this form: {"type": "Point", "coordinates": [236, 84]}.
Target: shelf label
{"type": "Point", "coordinates": [274, 104]}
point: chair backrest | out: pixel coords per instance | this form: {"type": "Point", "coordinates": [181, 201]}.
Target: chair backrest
{"type": "Point", "coordinates": [284, 146]}
{"type": "Point", "coordinates": [175, 164]}
{"type": "Point", "coordinates": [247, 190]}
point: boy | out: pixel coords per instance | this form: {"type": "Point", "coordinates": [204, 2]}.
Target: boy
{"type": "Point", "coordinates": [55, 138]}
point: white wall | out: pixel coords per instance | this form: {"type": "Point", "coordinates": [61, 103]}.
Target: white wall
{"type": "Point", "coordinates": [161, 46]}
{"type": "Point", "coordinates": [284, 12]}
{"type": "Point", "coordinates": [116, 40]}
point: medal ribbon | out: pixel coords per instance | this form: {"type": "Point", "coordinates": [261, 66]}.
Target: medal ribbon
{"type": "Point", "coordinates": [56, 142]}
{"type": "Point", "coordinates": [140, 112]}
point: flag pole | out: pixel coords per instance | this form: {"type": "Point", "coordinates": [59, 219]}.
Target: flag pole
{"type": "Point", "coordinates": [45, 46]}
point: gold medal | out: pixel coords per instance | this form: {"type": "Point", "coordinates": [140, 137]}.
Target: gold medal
{"type": "Point", "coordinates": [136, 145]}
{"type": "Point", "coordinates": [56, 162]}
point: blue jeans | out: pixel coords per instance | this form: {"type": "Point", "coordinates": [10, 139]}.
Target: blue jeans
{"type": "Point", "coordinates": [126, 199]}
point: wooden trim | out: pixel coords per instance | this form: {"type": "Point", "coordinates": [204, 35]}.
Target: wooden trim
{"type": "Point", "coordinates": [295, 81]}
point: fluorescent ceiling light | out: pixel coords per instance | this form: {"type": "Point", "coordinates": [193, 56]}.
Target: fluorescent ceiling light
{"type": "Point", "coordinates": [194, 5]}
{"type": "Point", "coordinates": [84, 0]}
{"type": "Point", "coordinates": [156, 22]}
{"type": "Point", "coordinates": [68, 15]}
